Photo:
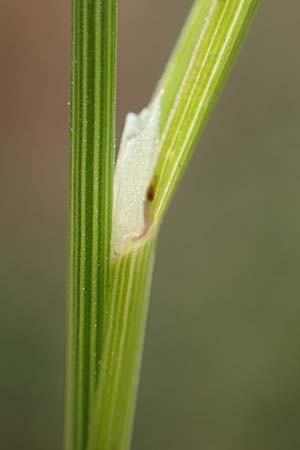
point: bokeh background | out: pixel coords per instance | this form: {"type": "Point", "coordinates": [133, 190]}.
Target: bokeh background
{"type": "Point", "coordinates": [221, 365]}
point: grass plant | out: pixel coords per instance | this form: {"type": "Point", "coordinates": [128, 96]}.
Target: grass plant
{"type": "Point", "coordinates": [115, 215]}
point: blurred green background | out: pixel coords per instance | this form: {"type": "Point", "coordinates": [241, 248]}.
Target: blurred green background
{"type": "Point", "coordinates": [221, 365]}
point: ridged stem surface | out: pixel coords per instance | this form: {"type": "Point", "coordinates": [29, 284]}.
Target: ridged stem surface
{"type": "Point", "coordinates": [92, 141]}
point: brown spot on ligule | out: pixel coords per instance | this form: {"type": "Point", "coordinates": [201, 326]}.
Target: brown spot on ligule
{"type": "Point", "coordinates": [148, 219]}
{"type": "Point", "coordinates": [150, 193]}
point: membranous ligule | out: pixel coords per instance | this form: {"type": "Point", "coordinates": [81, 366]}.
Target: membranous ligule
{"type": "Point", "coordinates": [133, 174]}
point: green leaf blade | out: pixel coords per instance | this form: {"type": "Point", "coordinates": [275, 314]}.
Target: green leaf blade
{"type": "Point", "coordinates": [178, 63]}
{"type": "Point", "coordinates": [211, 59]}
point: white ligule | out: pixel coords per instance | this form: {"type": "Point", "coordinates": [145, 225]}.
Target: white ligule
{"type": "Point", "coordinates": [133, 173]}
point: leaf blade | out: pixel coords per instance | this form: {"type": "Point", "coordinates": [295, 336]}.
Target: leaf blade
{"type": "Point", "coordinates": [211, 59]}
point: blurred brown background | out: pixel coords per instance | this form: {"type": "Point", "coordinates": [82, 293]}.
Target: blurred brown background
{"type": "Point", "coordinates": [222, 361]}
